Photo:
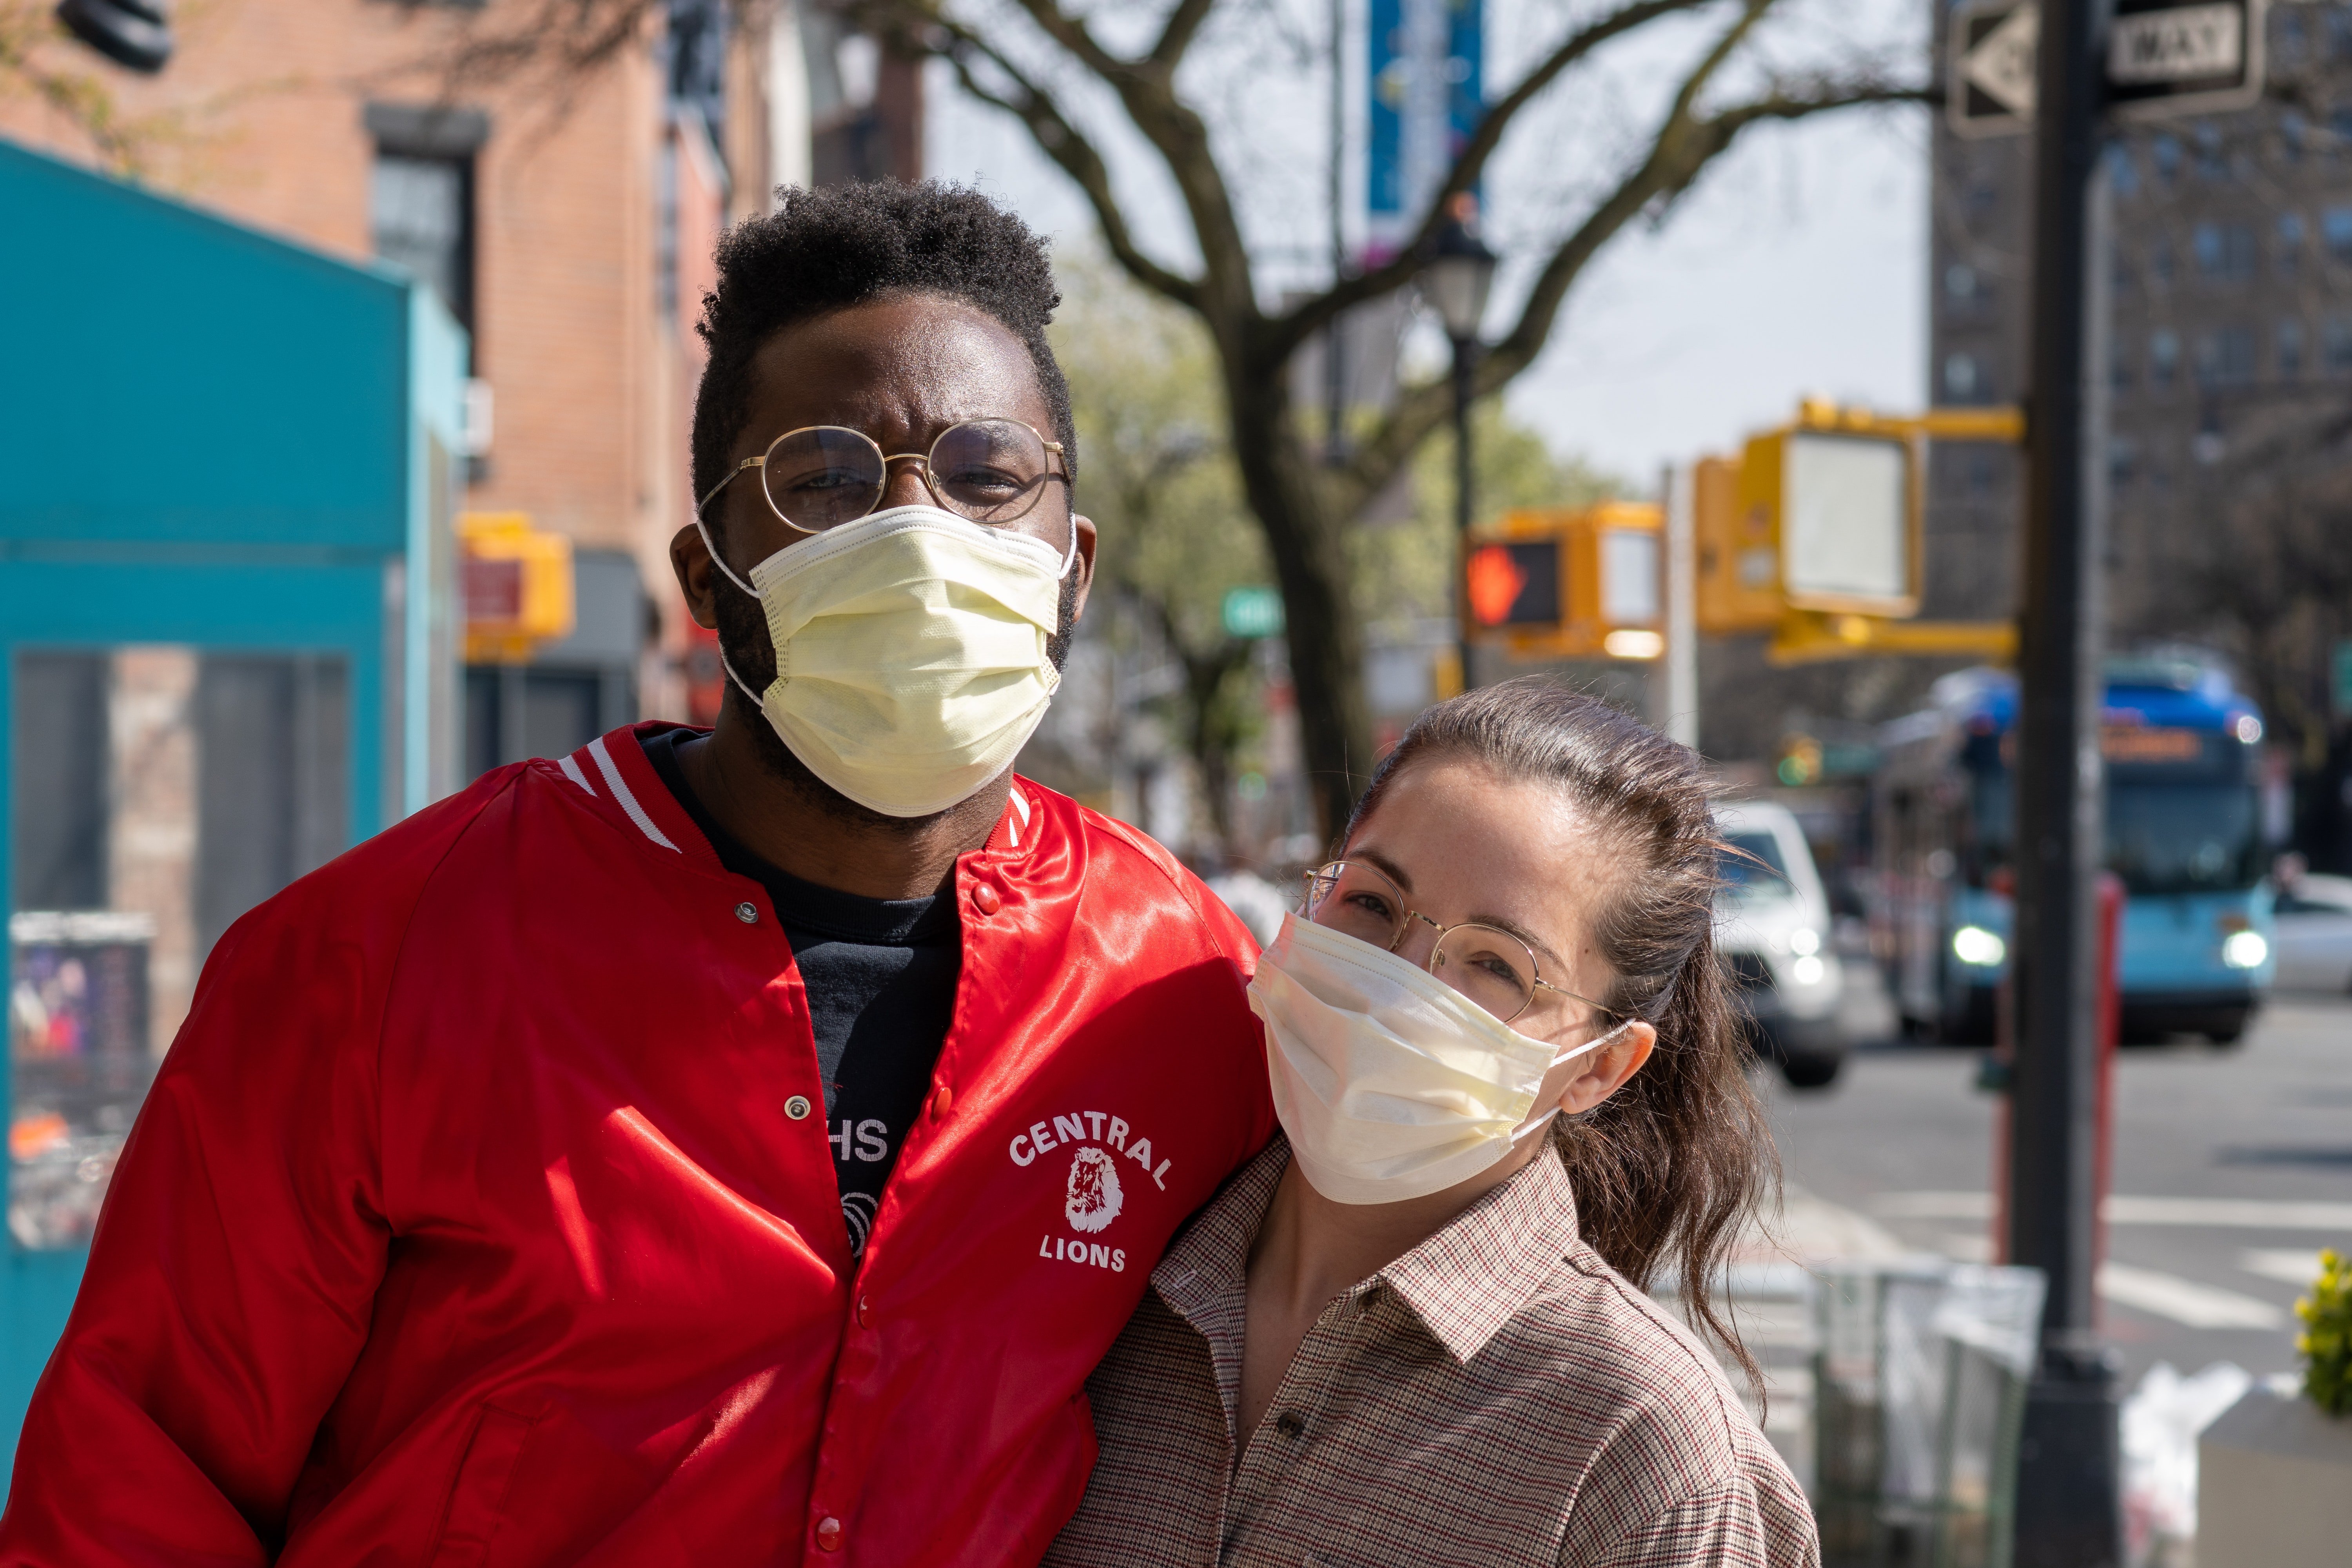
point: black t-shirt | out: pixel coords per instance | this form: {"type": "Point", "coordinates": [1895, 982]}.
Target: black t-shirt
{"type": "Point", "coordinates": [881, 980]}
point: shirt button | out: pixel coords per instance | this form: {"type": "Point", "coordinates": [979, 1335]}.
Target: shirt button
{"type": "Point", "coordinates": [986, 899]}
{"type": "Point", "coordinates": [747, 912]}
{"type": "Point", "coordinates": [828, 1534]}
{"type": "Point", "coordinates": [1288, 1423]}
{"type": "Point", "coordinates": [943, 1101]}
{"type": "Point", "coordinates": [797, 1107]}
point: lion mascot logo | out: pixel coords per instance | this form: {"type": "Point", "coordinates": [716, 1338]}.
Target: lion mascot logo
{"type": "Point", "coordinates": [1094, 1196]}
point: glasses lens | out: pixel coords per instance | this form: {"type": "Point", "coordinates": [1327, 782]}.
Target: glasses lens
{"type": "Point", "coordinates": [1356, 900]}
{"type": "Point", "coordinates": [823, 477]}
{"type": "Point", "coordinates": [1492, 968]}
{"type": "Point", "coordinates": [989, 471]}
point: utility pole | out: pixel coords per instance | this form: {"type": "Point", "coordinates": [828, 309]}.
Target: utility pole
{"type": "Point", "coordinates": [1677, 488]}
{"type": "Point", "coordinates": [1335, 336]}
{"type": "Point", "coordinates": [2067, 1497]}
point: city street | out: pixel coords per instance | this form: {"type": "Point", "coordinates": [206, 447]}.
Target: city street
{"type": "Point", "coordinates": [2232, 1172]}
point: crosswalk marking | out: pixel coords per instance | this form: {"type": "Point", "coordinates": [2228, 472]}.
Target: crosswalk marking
{"type": "Point", "coordinates": [2184, 1300]}
{"type": "Point", "coordinates": [2124, 1208]}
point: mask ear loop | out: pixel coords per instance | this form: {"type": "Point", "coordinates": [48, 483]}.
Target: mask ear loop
{"type": "Point", "coordinates": [721, 560]}
{"type": "Point", "coordinates": [1546, 1119]}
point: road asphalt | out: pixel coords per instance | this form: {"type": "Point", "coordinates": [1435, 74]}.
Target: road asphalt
{"type": "Point", "coordinates": [2233, 1168]}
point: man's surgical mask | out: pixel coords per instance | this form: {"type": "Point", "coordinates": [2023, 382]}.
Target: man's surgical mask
{"type": "Point", "coordinates": [913, 654]}
{"type": "Point", "coordinates": [1390, 1084]}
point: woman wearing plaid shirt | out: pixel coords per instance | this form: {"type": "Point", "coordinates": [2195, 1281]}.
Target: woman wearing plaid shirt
{"type": "Point", "coordinates": [1412, 1331]}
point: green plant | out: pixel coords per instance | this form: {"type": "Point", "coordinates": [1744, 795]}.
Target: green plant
{"type": "Point", "coordinates": [2326, 1343]}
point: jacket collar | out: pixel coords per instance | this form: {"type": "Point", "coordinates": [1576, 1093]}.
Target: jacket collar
{"type": "Point", "coordinates": [613, 771]}
{"type": "Point", "coordinates": [1464, 1283]}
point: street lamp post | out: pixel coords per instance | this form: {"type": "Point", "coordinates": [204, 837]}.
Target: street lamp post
{"type": "Point", "coordinates": [1460, 272]}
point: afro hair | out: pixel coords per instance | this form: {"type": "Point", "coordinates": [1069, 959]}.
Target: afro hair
{"type": "Point", "coordinates": [824, 250]}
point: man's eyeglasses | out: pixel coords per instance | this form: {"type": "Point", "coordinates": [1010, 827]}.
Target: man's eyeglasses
{"type": "Point", "coordinates": [1485, 963]}
{"type": "Point", "coordinates": [822, 476]}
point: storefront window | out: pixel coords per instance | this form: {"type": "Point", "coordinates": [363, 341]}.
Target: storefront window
{"type": "Point", "coordinates": [156, 793]}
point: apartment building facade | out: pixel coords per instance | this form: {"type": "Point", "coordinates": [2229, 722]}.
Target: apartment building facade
{"type": "Point", "coordinates": [2228, 307]}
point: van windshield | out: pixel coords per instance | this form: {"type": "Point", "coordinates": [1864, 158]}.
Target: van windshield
{"type": "Point", "coordinates": [1754, 868]}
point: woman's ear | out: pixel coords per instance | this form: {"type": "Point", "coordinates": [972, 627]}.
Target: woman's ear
{"type": "Point", "coordinates": [1602, 1073]}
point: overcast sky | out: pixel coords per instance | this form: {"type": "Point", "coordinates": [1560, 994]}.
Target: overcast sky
{"type": "Point", "coordinates": [1798, 266]}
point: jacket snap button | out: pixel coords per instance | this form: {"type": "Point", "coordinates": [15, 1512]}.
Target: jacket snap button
{"type": "Point", "coordinates": [747, 912]}
{"type": "Point", "coordinates": [942, 1101]}
{"type": "Point", "coordinates": [797, 1107]}
{"type": "Point", "coordinates": [986, 899]}
{"type": "Point", "coordinates": [828, 1534]}
{"type": "Point", "coordinates": [863, 1303]}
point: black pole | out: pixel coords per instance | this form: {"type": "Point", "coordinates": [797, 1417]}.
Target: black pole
{"type": "Point", "coordinates": [1464, 349]}
{"type": "Point", "coordinates": [2067, 1497]}
{"type": "Point", "coordinates": [1335, 337]}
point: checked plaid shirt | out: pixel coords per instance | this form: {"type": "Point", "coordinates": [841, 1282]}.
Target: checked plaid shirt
{"type": "Point", "coordinates": [1497, 1396]}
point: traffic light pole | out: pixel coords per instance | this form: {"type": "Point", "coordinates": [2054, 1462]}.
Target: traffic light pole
{"type": "Point", "coordinates": [1465, 348]}
{"type": "Point", "coordinates": [2067, 1490]}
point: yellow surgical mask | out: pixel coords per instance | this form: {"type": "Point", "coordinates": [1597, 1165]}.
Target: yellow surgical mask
{"type": "Point", "coordinates": [912, 656]}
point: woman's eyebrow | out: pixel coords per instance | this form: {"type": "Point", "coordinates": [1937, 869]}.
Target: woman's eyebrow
{"type": "Point", "coordinates": [1535, 943]}
{"type": "Point", "coordinates": [1395, 872]}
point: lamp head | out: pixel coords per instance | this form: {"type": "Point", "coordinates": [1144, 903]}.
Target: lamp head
{"type": "Point", "coordinates": [1460, 270]}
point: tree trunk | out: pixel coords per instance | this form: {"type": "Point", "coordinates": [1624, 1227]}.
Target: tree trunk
{"type": "Point", "coordinates": [1324, 636]}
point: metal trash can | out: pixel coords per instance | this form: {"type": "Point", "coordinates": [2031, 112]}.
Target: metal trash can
{"type": "Point", "coordinates": [1919, 1394]}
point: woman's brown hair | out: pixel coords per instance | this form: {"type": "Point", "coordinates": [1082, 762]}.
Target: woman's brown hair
{"type": "Point", "coordinates": [1674, 1164]}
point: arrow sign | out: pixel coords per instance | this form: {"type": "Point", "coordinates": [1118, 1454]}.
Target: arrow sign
{"type": "Point", "coordinates": [2164, 58]}
{"type": "Point", "coordinates": [1992, 49]}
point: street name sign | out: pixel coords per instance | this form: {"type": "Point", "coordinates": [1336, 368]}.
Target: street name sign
{"type": "Point", "coordinates": [2164, 58]}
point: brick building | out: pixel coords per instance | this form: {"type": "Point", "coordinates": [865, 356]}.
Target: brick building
{"type": "Point", "coordinates": [569, 225]}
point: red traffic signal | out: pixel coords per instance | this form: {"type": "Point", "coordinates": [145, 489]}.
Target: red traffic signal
{"type": "Point", "coordinates": [1513, 584]}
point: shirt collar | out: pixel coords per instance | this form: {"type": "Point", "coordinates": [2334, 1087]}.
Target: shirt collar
{"type": "Point", "coordinates": [1464, 1283]}
{"type": "Point", "coordinates": [1467, 1281]}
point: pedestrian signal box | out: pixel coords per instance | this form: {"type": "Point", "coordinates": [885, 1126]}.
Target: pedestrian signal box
{"type": "Point", "coordinates": [516, 583]}
{"type": "Point", "coordinates": [1822, 514]}
{"type": "Point", "coordinates": [1557, 583]}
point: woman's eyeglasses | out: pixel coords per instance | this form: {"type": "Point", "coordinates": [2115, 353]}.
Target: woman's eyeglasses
{"type": "Point", "coordinates": [1485, 963]}
{"type": "Point", "coordinates": [821, 476]}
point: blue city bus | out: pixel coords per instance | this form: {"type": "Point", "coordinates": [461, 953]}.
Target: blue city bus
{"type": "Point", "coordinates": [2184, 832]}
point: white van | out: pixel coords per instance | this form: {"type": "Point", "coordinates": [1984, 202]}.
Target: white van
{"type": "Point", "coordinates": [1772, 931]}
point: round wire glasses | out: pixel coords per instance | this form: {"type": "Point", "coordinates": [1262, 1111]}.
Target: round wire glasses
{"type": "Point", "coordinates": [1485, 963]}
{"type": "Point", "coordinates": [821, 476]}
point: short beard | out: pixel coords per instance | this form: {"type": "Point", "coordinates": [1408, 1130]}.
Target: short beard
{"type": "Point", "coordinates": [743, 640]}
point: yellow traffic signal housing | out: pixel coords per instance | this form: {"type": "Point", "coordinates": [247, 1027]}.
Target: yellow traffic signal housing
{"type": "Point", "coordinates": [1821, 514]}
{"type": "Point", "coordinates": [516, 583]}
{"type": "Point", "coordinates": [1556, 582]}
{"type": "Point", "coordinates": [1738, 578]}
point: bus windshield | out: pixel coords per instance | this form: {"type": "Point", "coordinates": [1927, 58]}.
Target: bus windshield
{"type": "Point", "coordinates": [2170, 830]}
{"type": "Point", "coordinates": [2183, 837]}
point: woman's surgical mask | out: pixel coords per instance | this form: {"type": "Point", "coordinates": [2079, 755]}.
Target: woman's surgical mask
{"type": "Point", "coordinates": [1390, 1084]}
{"type": "Point", "coordinates": [913, 653]}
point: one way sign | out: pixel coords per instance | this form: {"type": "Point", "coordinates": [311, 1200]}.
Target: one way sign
{"type": "Point", "coordinates": [2164, 58]}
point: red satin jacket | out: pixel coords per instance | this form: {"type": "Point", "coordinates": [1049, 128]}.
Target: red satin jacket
{"type": "Point", "coordinates": [483, 1211]}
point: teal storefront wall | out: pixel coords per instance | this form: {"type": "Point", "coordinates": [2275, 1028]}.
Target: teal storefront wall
{"type": "Point", "coordinates": [218, 439]}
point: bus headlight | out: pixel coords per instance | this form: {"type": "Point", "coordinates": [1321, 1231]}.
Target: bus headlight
{"type": "Point", "coordinates": [2244, 950]}
{"type": "Point", "coordinates": [1808, 971]}
{"type": "Point", "coordinates": [1977, 946]}
{"type": "Point", "coordinates": [1804, 941]}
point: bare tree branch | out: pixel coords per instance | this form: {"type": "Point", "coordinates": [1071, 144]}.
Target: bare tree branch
{"type": "Point", "coordinates": [1685, 144]}
{"type": "Point", "coordinates": [1184, 22]}
{"type": "Point", "coordinates": [1469, 166]}
{"type": "Point", "coordinates": [1063, 143]}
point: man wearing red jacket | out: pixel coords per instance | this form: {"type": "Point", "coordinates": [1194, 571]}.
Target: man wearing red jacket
{"type": "Point", "coordinates": [726, 1148]}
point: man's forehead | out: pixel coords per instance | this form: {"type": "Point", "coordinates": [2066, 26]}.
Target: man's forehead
{"type": "Point", "coordinates": [904, 364]}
